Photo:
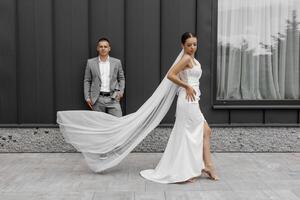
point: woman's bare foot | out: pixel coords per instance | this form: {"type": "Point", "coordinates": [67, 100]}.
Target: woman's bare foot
{"type": "Point", "coordinates": [210, 171]}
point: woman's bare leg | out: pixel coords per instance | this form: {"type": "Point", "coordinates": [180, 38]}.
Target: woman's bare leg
{"type": "Point", "coordinates": [209, 167]}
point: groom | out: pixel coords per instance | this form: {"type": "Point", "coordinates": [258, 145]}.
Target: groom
{"type": "Point", "coordinates": [104, 81]}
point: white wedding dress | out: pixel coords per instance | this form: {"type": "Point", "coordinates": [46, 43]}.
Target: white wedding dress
{"type": "Point", "coordinates": [105, 140]}
{"type": "Point", "coordinates": [183, 156]}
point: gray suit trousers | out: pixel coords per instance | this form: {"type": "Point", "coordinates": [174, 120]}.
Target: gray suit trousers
{"type": "Point", "coordinates": [108, 105]}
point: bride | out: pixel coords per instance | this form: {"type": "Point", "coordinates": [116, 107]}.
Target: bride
{"type": "Point", "coordinates": [105, 140]}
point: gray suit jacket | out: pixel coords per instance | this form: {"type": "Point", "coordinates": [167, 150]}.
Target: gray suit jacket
{"type": "Point", "coordinates": [92, 78]}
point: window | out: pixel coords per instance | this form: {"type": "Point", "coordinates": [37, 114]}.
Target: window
{"type": "Point", "coordinates": [258, 51]}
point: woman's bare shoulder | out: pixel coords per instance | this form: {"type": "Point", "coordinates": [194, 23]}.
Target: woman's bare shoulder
{"type": "Point", "coordinates": [186, 59]}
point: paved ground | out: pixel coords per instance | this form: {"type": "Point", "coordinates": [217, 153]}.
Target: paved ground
{"type": "Point", "coordinates": [38, 176]}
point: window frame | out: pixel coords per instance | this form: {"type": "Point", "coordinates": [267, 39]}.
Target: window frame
{"type": "Point", "coordinates": [238, 104]}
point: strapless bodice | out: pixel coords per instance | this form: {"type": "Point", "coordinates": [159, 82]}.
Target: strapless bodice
{"type": "Point", "coordinates": [191, 76]}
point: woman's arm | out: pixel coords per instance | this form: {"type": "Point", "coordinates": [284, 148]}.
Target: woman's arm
{"type": "Point", "coordinates": [173, 76]}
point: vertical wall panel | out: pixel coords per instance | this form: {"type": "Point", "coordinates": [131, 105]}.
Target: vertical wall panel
{"type": "Point", "coordinates": [107, 20]}
{"type": "Point", "coordinates": [205, 21]}
{"type": "Point", "coordinates": [71, 52]}
{"type": "Point", "coordinates": [27, 67]}
{"type": "Point", "coordinates": [35, 61]}
{"type": "Point", "coordinates": [8, 70]}
{"type": "Point", "coordinates": [142, 51]}
{"type": "Point", "coordinates": [177, 17]}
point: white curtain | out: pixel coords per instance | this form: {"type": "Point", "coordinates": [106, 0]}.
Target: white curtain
{"type": "Point", "coordinates": [258, 50]}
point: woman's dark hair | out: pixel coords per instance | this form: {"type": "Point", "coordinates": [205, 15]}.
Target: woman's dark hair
{"type": "Point", "coordinates": [186, 36]}
{"type": "Point", "coordinates": [103, 39]}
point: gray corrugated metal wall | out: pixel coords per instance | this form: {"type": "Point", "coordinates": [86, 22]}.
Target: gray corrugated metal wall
{"type": "Point", "coordinates": [44, 45]}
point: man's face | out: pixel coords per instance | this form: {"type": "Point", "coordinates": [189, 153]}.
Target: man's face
{"type": "Point", "coordinates": [103, 48]}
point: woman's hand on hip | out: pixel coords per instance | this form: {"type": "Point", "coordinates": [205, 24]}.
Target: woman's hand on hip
{"type": "Point", "coordinates": [190, 93]}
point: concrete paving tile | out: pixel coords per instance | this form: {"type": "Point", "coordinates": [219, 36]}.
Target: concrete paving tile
{"type": "Point", "coordinates": [252, 195]}
{"type": "Point", "coordinates": [121, 175]}
{"type": "Point", "coordinates": [96, 186]}
{"type": "Point", "coordinates": [296, 192]}
{"type": "Point", "coordinates": [294, 167]}
{"type": "Point", "coordinates": [283, 184]}
{"type": "Point", "coordinates": [17, 196]}
{"type": "Point", "coordinates": [272, 195]}
{"type": "Point", "coordinates": [247, 185]}
{"type": "Point", "coordinates": [293, 175]}
{"type": "Point", "coordinates": [142, 160]}
{"type": "Point", "coordinates": [155, 187]}
{"type": "Point", "coordinates": [208, 184]}
{"type": "Point", "coordinates": [227, 195]}
{"type": "Point", "coordinates": [240, 175]}
{"type": "Point", "coordinates": [273, 176]}
{"type": "Point", "coordinates": [284, 194]}
{"type": "Point", "coordinates": [149, 196]}
{"type": "Point", "coordinates": [69, 196]}
{"type": "Point", "coordinates": [114, 196]}
{"type": "Point", "coordinates": [192, 195]}
{"type": "Point", "coordinates": [47, 196]}
{"type": "Point", "coordinates": [116, 185]}
{"type": "Point", "coordinates": [135, 176]}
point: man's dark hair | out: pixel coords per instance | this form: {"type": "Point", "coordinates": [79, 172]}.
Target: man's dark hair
{"type": "Point", "coordinates": [103, 39]}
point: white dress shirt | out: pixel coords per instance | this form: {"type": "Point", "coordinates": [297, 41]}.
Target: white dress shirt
{"type": "Point", "coordinates": [104, 67]}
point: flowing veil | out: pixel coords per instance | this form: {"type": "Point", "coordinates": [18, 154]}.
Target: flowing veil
{"type": "Point", "coordinates": [105, 140]}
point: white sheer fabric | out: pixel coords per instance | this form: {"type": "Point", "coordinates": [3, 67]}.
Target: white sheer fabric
{"type": "Point", "coordinates": [258, 50]}
{"type": "Point", "coordinates": [105, 140]}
